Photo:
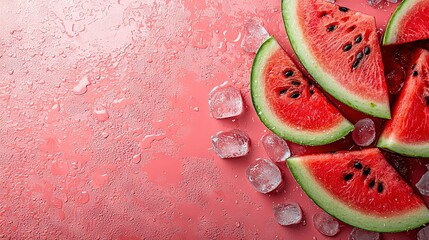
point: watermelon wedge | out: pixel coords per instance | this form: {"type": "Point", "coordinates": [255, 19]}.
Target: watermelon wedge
{"type": "Point", "coordinates": [289, 104]}
{"type": "Point", "coordinates": [407, 133]}
{"type": "Point", "coordinates": [409, 23]}
{"type": "Point", "coordinates": [360, 188]}
{"type": "Point", "coordinates": [340, 49]}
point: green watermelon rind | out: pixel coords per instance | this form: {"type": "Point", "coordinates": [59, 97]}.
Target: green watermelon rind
{"type": "Point", "coordinates": [340, 210]}
{"type": "Point", "coordinates": [325, 80]}
{"type": "Point", "coordinates": [391, 33]}
{"type": "Point", "coordinates": [410, 150]}
{"type": "Point", "coordinates": [271, 121]}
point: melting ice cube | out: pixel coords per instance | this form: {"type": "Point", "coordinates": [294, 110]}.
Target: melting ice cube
{"type": "Point", "coordinates": [423, 234]}
{"type": "Point", "coordinates": [264, 175]}
{"type": "Point", "coordinates": [373, 2]}
{"type": "Point", "coordinates": [255, 35]}
{"type": "Point", "coordinates": [360, 234]}
{"type": "Point", "coordinates": [231, 144]}
{"type": "Point", "coordinates": [275, 147]}
{"type": "Point", "coordinates": [395, 80]}
{"type": "Point", "coordinates": [326, 224]}
{"type": "Point", "coordinates": [423, 184]}
{"type": "Point", "coordinates": [225, 102]}
{"type": "Point", "coordinates": [287, 213]}
{"type": "Point", "coordinates": [364, 132]}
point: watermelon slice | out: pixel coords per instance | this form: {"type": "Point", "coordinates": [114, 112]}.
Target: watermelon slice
{"type": "Point", "coordinates": [407, 133]}
{"type": "Point", "coordinates": [409, 22]}
{"type": "Point", "coordinates": [290, 105]}
{"type": "Point", "coordinates": [339, 48]}
{"type": "Point", "coordinates": [360, 188]}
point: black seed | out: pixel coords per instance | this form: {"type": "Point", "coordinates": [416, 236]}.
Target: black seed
{"type": "Point", "coordinates": [312, 92]}
{"type": "Point", "coordinates": [288, 73]}
{"type": "Point", "coordinates": [294, 95]}
{"type": "Point", "coordinates": [296, 83]}
{"type": "Point", "coordinates": [427, 100]}
{"type": "Point", "coordinates": [359, 56]}
{"type": "Point", "coordinates": [366, 171]}
{"type": "Point", "coordinates": [372, 183]}
{"type": "Point", "coordinates": [413, 66]}
{"type": "Point", "coordinates": [348, 176]}
{"type": "Point", "coordinates": [358, 165]}
{"type": "Point", "coordinates": [358, 39]}
{"type": "Point", "coordinates": [347, 47]}
{"type": "Point", "coordinates": [331, 28]}
{"type": "Point", "coordinates": [356, 64]}
{"type": "Point", "coordinates": [415, 73]}
{"type": "Point", "coordinates": [380, 187]}
{"type": "Point", "coordinates": [343, 9]}
{"type": "Point", "coordinates": [310, 83]}
{"type": "Point", "coordinates": [283, 92]}
{"type": "Point", "coordinates": [366, 50]}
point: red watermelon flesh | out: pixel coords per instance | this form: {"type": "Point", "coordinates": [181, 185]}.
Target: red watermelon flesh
{"type": "Point", "coordinates": [340, 49]}
{"type": "Point", "coordinates": [407, 132]}
{"type": "Point", "coordinates": [360, 188]}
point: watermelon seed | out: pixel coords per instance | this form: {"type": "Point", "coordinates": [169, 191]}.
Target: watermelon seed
{"type": "Point", "coordinates": [415, 73]}
{"type": "Point", "coordinates": [359, 56]}
{"type": "Point", "coordinates": [288, 73]}
{"type": "Point", "coordinates": [310, 83]}
{"type": "Point", "coordinates": [413, 66]}
{"type": "Point", "coordinates": [312, 92]}
{"type": "Point", "coordinates": [295, 95]}
{"type": "Point", "coordinates": [283, 92]}
{"type": "Point", "coordinates": [366, 171]}
{"type": "Point", "coordinates": [358, 165]}
{"type": "Point", "coordinates": [348, 176]}
{"type": "Point", "coordinates": [358, 39]}
{"type": "Point", "coordinates": [366, 50]}
{"type": "Point", "coordinates": [380, 187]}
{"type": "Point", "coordinates": [343, 9]}
{"type": "Point", "coordinates": [355, 64]}
{"type": "Point", "coordinates": [331, 28]}
{"type": "Point", "coordinates": [296, 83]}
{"type": "Point", "coordinates": [347, 47]}
{"type": "Point", "coordinates": [372, 183]}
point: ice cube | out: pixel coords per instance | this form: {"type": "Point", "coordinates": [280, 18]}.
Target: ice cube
{"type": "Point", "coordinates": [326, 224]}
{"type": "Point", "coordinates": [255, 35]}
{"type": "Point", "coordinates": [373, 2]}
{"type": "Point", "coordinates": [275, 147]}
{"type": "Point", "coordinates": [264, 175]}
{"type": "Point", "coordinates": [287, 213]}
{"type": "Point", "coordinates": [225, 102]}
{"type": "Point", "coordinates": [423, 234]}
{"type": "Point", "coordinates": [423, 184]}
{"type": "Point", "coordinates": [360, 234]}
{"type": "Point", "coordinates": [395, 80]}
{"type": "Point", "coordinates": [364, 132]}
{"type": "Point", "coordinates": [231, 144]}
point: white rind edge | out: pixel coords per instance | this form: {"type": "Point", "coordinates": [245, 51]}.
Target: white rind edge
{"type": "Point", "coordinates": [325, 80]}
{"type": "Point", "coordinates": [411, 150]}
{"type": "Point", "coordinates": [391, 33]}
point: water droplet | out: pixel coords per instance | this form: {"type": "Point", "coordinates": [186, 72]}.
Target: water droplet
{"type": "Point", "coordinates": [81, 87]}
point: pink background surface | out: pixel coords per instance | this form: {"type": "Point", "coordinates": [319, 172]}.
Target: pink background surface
{"type": "Point", "coordinates": [105, 130]}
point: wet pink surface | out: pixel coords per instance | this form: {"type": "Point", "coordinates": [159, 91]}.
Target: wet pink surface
{"type": "Point", "coordinates": [105, 130]}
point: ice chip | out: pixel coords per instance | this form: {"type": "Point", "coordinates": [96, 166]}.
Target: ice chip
{"type": "Point", "coordinates": [360, 234]}
{"type": "Point", "coordinates": [231, 144]}
{"type": "Point", "coordinates": [423, 234]}
{"type": "Point", "coordinates": [326, 224]}
{"type": "Point", "coordinates": [364, 132]}
{"type": "Point", "coordinates": [373, 2]}
{"type": "Point", "coordinates": [287, 213]}
{"type": "Point", "coordinates": [264, 175]}
{"type": "Point", "coordinates": [275, 147]}
{"type": "Point", "coordinates": [225, 102]}
{"type": "Point", "coordinates": [254, 36]}
{"type": "Point", "coordinates": [423, 184]}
